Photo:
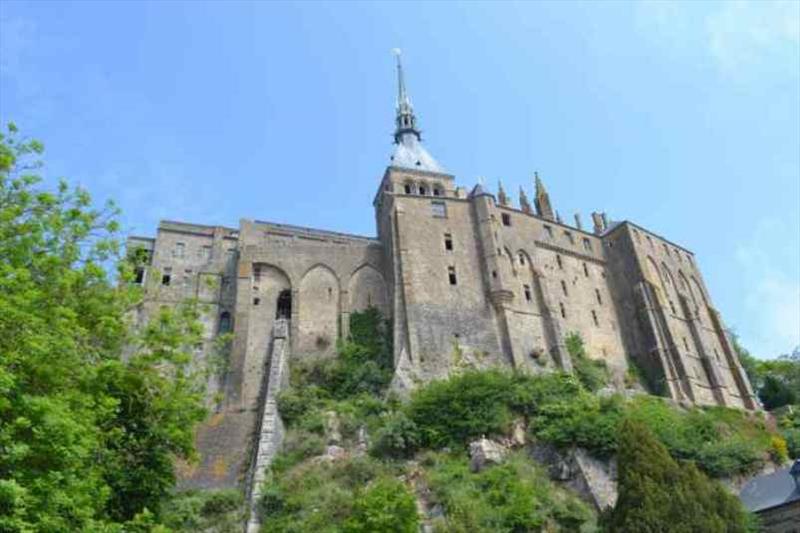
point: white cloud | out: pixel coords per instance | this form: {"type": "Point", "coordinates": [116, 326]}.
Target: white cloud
{"type": "Point", "coordinates": [771, 295]}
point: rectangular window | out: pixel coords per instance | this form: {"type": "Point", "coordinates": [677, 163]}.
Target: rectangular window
{"type": "Point", "coordinates": [548, 231]}
{"type": "Point", "coordinates": [179, 250]}
{"type": "Point", "coordinates": [187, 277]}
{"type": "Point", "coordinates": [451, 274]}
{"type": "Point", "coordinates": [166, 277]}
{"type": "Point", "coordinates": [569, 237]}
{"type": "Point", "coordinates": [598, 296]}
{"type": "Point", "coordinates": [506, 219]}
{"type": "Point", "coordinates": [257, 273]}
{"type": "Point", "coordinates": [564, 287]}
{"type": "Point", "coordinates": [527, 290]}
{"type": "Point", "coordinates": [587, 244]}
{"type": "Point", "coordinates": [438, 209]}
{"type": "Point", "coordinates": [448, 242]}
{"type": "Point", "coordinates": [138, 275]}
{"type": "Point", "coordinates": [205, 252]}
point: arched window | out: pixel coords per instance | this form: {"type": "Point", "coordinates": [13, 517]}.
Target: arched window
{"type": "Point", "coordinates": [284, 307]}
{"type": "Point", "coordinates": [423, 190]}
{"type": "Point", "coordinates": [224, 322]}
{"type": "Point", "coordinates": [407, 188]}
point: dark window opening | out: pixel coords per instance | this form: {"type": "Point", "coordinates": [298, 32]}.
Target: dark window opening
{"type": "Point", "coordinates": [451, 274]}
{"type": "Point", "coordinates": [437, 192]}
{"type": "Point", "coordinates": [594, 318]}
{"type": "Point", "coordinates": [166, 277]}
{"type": "Point", "coordinates": [224, 322]}
{"type": "Point", "coordinates": [494, 274]}
{"type": "Point", "coordinates": [256, 301]}
{"type": "Point", "coordinates": [563, 311]}
{"type": "Point", "coordinates": [560, 263]}
{"type": "Point", "coordinates": [257, 273]}
{"type": "Point", "coordinates": [521, 259]}
{"type": "Point", "coordinates": [587, 244]}
{"type": "Point", "coordinates": [422, 190]}
{"type": "Point", "coordinates": [564, 287]}
{"type": "Point", "coordinates": [448, 242]}
{"type": "Point", "coordinates": [284, 307]}
{"type": "Point", "coordinates": [407, 188]}
{"type": "Point", "coordinates": [599, 298]}
{"type": "Point", "coordinates": [139, 275]}
{"type": "Point", "coordinates": [330, 293]}
{"type": "Point", "coordinates": [506, 219]}
{"type": "Point", "coordinates": [585, 270]}
{"type": "Point", "coordinates": [527, 290]}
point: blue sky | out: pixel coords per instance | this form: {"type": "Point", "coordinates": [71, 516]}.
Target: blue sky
{"type": "Point", "coordinates": [681, 116]}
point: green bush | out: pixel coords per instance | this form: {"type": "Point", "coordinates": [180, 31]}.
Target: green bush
{"type": "Point", "coordinates": [513, 496]}
{"type": "Point", "coordinates": [386, 505]}
{"type": "Point", "coordinates": [397, 438]}
{"type": "Point", "coordinates": [214, 511]}
{"type": "Point", "coordinates": [592, 373]}
{"type": "Point", "coordinates": [451, 412]}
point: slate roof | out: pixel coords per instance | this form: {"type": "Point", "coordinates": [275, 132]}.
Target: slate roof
{"type": "Point", "coordinates": [409, 153]}
{"type": "Point", "coordinates": [771, 490]}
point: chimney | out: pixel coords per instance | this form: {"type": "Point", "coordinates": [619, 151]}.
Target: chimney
{"type": "Point", "coordinates": [578, 223]}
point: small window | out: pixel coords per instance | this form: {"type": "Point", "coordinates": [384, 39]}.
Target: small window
{"type": "Point", "coordinates": [451, 274]}
{"type": "Point", "coordinates": [448, 242]}
{"type": "Point", "coordinates": [594, 318]}
{"type": "Point", "coordinates": [548, 231]}
{"type": "Point", "coordinates": [423, 190]}
{"type": "Point", "coordinates": [138, 275]}
{"type": "Point", "coordinates": [564, 288]}
{"type": "Point", "coordinates": [438, 209]}
{"type": "Point", "coordinates": [569, 237]}
{"type": "Point", "coordinates": [521, 258]}
{"type": "Point", "coordinates": [506, 219]}
{"type": "Point", "coordinates": [437, 191]}
{"type": "Point", "coordinates": [257, 273]}
{"type": "Point", "coordinates": [587, 244]}
{"type": "Point", "coordinates": [256, 301]}
{"type": "Point", "coordinates": [585, 270]}
{"type": "Point", "coordinates": [527, 290]}
{"type": "Point", "coordinates": [224, 322]}
{"type": "Point", "coordinates": [494, 274]}
{"type": "Point", "coordinates": [598, 296]}
{"type": "Point", "coordinates": [179, 250]}
{"type": "Point", "coordinates": [205, 252]}
{"type": "Point", "coordinates": [407, 188]}
{"type": "Point", "coordinates": [559, 262]}
{"type": "Point", "coordinates": [166, 277]}
{"type": "Point", "coordinates": [563, 310]}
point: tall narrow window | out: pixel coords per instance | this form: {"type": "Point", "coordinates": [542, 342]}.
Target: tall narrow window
{"type": "Point", "coordinates": [166, 277]}
{"type": "Point", "coordinates": [179, 250]}
{"type": "Point", "coordinates": [407, 188]}
{"type": "Point", "coordinates": [138, 275]}
{"type": "Point", "coordinates": [257, 273]}
{"type": "Point", "coordinates": [205, 252]}
{"type": "Point", "coordinates": [598, 296]}
{"type": "Point", "coordinates": [594, 318]}
{"type": "Point", "coordinates": [224, 322]}
{"type": "Point", "coordinates": [587, 244]}
{"type": "Point", "coordinates": [521, 258]}
{"type": "Point", "coordinates": [448, 242]}
{"type": "Point", "coordinates": [527, 290]}
{"type": "Point", "coordinates": [560, 263]}
{"type": "Point", "coordinates": [506, 219]}
{"type": "Point", "coordinates": [423, 190]}
{"type": "Point", "coordinates": [548, 231]}
{"type": "Point", "coordinates": [569, 237]}
{"type": "Point", "coordinates": [564, 287]}
{"type": "Point", "coordinates": [451, 274]}
{"type": "Point", "coordinates": [585, 270]}
{"type": "Point", "coordinates": [563, 310]}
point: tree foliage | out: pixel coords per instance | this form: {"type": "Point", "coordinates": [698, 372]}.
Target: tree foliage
{"type": "Point", "coordinates": [657, 494]}
{"type": "Point", "coordinates": [87, 437]}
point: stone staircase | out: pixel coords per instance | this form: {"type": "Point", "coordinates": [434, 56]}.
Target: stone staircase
{"type": "Point", "coordinates": [270, 430]}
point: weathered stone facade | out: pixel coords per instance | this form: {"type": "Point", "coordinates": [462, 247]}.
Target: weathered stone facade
{"type": "Point", "coordinates": [469, 281]}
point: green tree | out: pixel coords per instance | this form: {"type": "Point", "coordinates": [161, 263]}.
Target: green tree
{"type": "Point", "coordinates": [657, 494]}
{"type": "Point", "coordinates": [83, 432]}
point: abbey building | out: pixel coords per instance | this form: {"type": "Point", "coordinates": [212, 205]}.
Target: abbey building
{"type": "Point", "coordinates": [468, 277]}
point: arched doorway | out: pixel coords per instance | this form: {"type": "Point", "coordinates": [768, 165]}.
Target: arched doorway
{"type": "Point", "coordinates": [284, 304]}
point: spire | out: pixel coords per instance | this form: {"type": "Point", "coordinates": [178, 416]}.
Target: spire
{"type": "Point", "coordinates": [406, 121]}
{"type": "Point", "coordinates": [524, 204]}
{"type": "Point", "coordinates": [542, 200]}
{"type": "Point", "coordinates": [502, 197]}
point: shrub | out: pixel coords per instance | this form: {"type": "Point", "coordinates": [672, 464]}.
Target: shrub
{"type": "Point", "coordinates": [386, 505]}
{"type": "Point", "coordinates": [397, 438]}
{"type": "Point", "coordinates": [779, 449]}
{"type": "Point", "coordinates": [513, 496]}
{"type": "Point", "coordinates": [451, 412]}
{"type": "Point", "coordinates": [593, 374]}
{"type": "Point", "coordinates": [216, 510]}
